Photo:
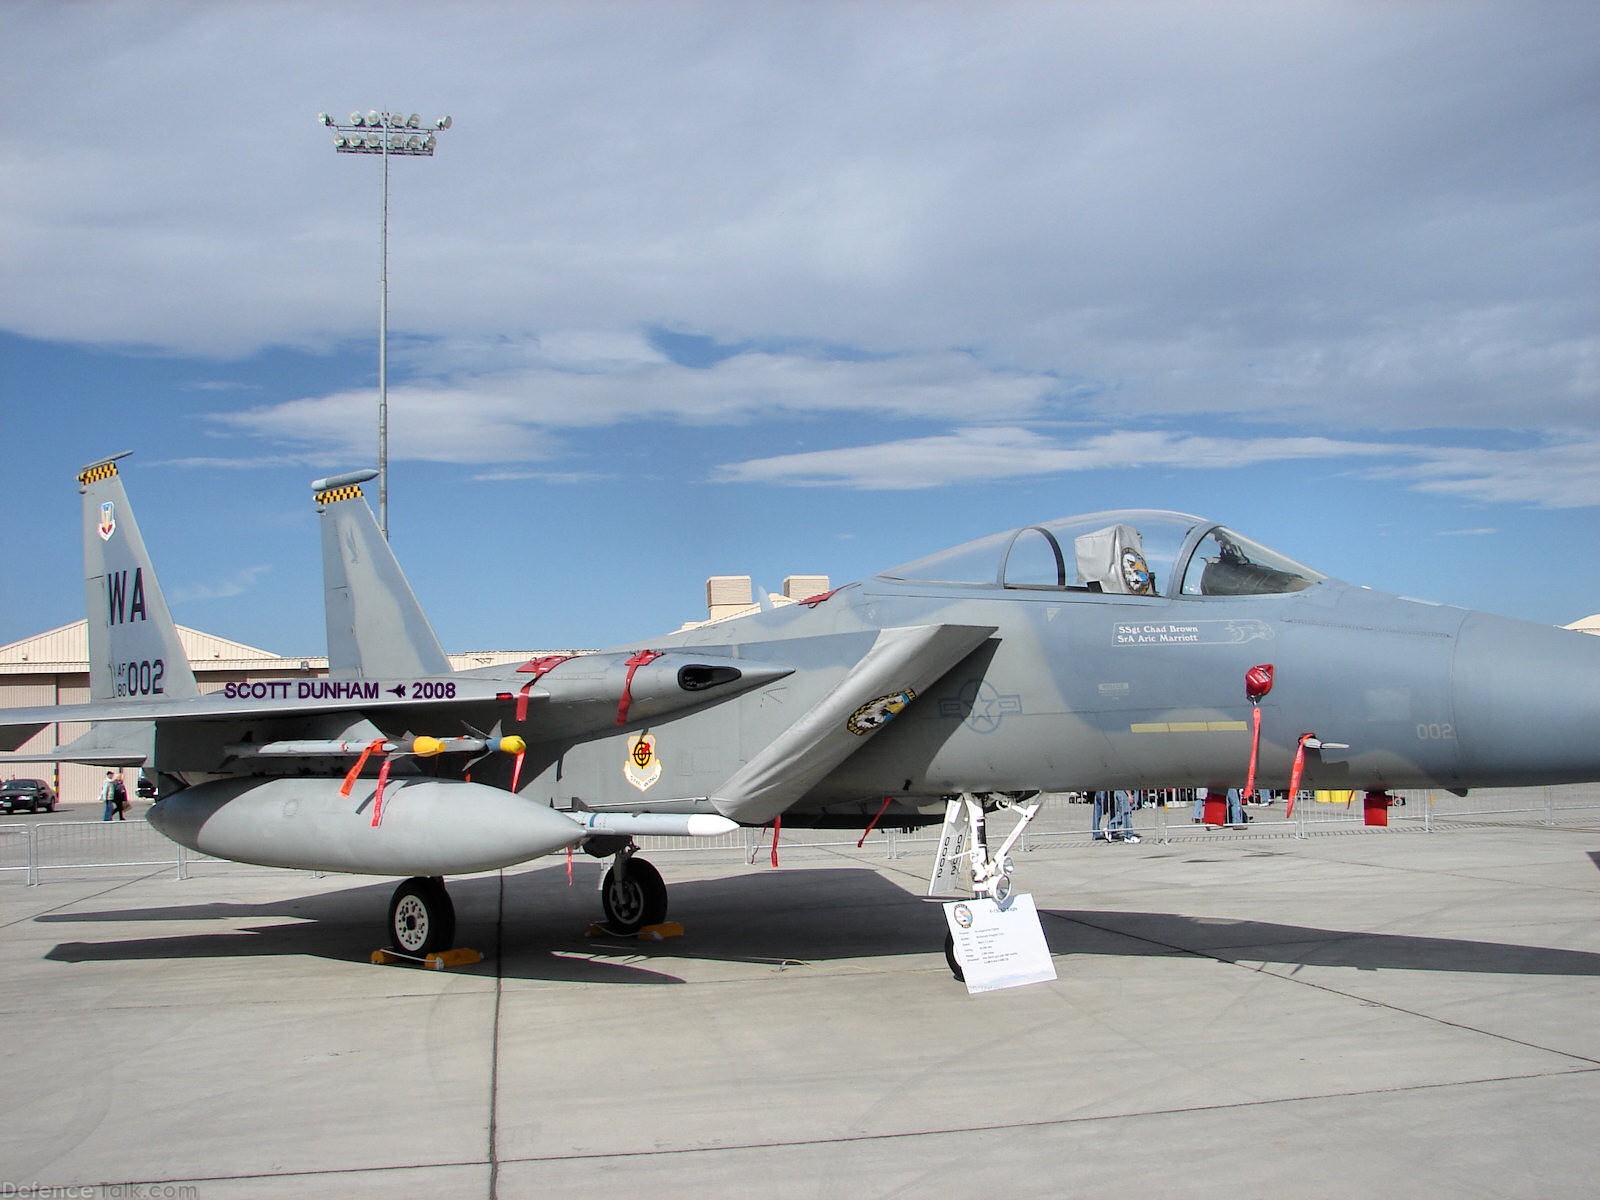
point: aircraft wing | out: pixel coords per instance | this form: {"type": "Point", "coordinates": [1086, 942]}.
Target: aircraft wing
{"type": "Point", "coordinates": [901, 664]}
{"type": "Point", "coordinates": [590, 694]}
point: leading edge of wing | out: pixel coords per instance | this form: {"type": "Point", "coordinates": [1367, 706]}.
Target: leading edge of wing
{"type": "Point", "coordinates": [902, 664]}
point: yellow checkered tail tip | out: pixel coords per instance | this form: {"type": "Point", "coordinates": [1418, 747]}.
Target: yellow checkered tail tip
{"type": "Point", "coordinates": [335, 495]}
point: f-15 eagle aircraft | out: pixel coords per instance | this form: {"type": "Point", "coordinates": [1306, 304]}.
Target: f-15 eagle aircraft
{"type": "Point", "coordinates": [1123, 649]}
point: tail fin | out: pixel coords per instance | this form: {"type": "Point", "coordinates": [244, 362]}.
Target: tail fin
{"type": "Point", "coordinates": [134, 649]}
{"type": "Point", "coordinates": [376, 628]}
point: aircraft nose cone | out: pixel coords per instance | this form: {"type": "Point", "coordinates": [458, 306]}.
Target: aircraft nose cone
{"type": "Point", "coordinates": [1527, 703]}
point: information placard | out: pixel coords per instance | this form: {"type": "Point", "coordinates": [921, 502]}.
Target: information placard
{"type": "Point", "coordinates": [999, 947]}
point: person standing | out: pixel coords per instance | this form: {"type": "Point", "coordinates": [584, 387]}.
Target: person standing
{"type": "Point", "coordinates": [108, 795]}
{"type": "Point", "coordinates": [1098, 820]}
{"type": "Point", "coordinates": [1120, 827]}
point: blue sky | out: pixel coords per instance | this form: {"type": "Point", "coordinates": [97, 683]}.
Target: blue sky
{"type": "Point", "coordinates": [718, 288]}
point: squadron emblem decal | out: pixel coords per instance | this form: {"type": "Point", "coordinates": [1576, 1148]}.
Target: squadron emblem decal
{"type": "Point", "coordinates": [875, 714]}
{"type": "Point", "coordinates": [108, 520]}
{"type": "Point", "coordinates": [1136, 573]}
{"type": "Point", "coordinates": [643, 768]}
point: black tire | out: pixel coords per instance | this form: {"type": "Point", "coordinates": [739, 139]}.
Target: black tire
{"type": "Point", "coordinates": [422, 919]}
{"type": "Point", "coordinates": [643, 899]}
{"type": "Point", "coordinates": [950, 957]}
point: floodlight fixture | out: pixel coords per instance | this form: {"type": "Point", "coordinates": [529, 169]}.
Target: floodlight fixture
{"type": "Point", "coordinates": [385, 134]}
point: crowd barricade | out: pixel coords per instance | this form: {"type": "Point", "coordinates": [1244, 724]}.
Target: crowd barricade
{"type": "Point", "coordinates": [15, 848]}
{"type": "Point", "coordinates": [1063, 820]}
{"type": "Point", "coordinates": [85, 845]}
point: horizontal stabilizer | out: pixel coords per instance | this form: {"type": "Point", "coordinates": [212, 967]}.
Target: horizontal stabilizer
{"type": "Point", "coordinates": [901, 665]}
{"type": "Point", "coordinates": [12, 736]}
{"type": "Point", "coordinates": [125, 744]}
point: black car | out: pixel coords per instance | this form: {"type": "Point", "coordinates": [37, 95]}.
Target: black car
{"type": "Point", "coordinates": [31, 794]}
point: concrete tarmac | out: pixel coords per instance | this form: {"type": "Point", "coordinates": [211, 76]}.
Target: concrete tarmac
{"type": "Point", "coordinates": [1355, 1015]}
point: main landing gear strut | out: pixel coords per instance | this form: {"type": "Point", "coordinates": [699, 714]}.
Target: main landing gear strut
{"type": "Point", "coordinates": [633, 893]}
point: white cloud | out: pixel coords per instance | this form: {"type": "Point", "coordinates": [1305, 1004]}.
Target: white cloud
{"type": "Point", "coordinates": [1015, 453]}
{"type": "Point", "coordinates": [1331, 218]}
{"type": "Point", "coordinates": [1203, 201]}
{"type": "Point", "coordinates": [581, 382]}
{"type": "Point", "coordinates": [1559, 473]}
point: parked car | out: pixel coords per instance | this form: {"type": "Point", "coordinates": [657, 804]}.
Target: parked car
{"type": "Point", "coordinates": [31, 794]}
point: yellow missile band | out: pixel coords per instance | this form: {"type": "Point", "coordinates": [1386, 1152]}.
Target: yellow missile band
{"type": "Point", "coordinates": [513, 744]}
{"type": "Point", "coordinates": [105, 470]}
{"type": "Point", "coordinates": [426, 747]}
{"type": "Point", "coordinates": [334, 495]}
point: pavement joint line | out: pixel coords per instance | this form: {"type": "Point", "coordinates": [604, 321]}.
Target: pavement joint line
{"type": "Point", "coordinates": [494, 1046]}
{"type": "Point", "coordinates": [857, 1138]}
{"type": "Point", "coordinates": [130, 1187]}
{"type": "Point", "coordinates": [1052, 1122]}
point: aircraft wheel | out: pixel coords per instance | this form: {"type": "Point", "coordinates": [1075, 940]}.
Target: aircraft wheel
{"type": "Point", "coordinates": [640, 900]}
{"type": "Point", "coordinates": [950, 957]}
{"type": "Point", "coordinates": [422, 919]}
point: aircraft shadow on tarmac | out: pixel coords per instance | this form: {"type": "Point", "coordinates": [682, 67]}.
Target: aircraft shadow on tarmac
{"type": "Point", "coordinates": [788, 916]}
{"type": "Point", "coordinates": [783, 917]}
{"type": "Point", "coordinates": [1247, 941]}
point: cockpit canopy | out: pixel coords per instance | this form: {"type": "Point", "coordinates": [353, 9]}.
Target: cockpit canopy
{"type": "Point", "coordinates": [1129, 552]}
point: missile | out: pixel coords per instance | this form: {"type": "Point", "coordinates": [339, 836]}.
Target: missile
{"type": "Point", "coordinates": [430, 826]}
{"type": "Point", "coordinates": [655, 824]}
{"type": "Point", "coordinates": [422, 747]}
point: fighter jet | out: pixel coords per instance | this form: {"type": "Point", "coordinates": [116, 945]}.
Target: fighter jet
{"type": "Point", "coordinates": [1128, 649]}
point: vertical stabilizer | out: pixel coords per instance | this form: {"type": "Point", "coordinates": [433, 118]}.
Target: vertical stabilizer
{"type": "Point", "coordinates": [376, 628]}
{"type": "Point", "coordinates": [134, 651]}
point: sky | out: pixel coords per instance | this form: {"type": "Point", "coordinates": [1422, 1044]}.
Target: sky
{"type": "Point", "coordinates": [779, 288]}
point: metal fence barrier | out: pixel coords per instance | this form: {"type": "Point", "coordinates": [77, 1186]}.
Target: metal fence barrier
{"type": "Point", "coordinates": [29, 850]}
{"type": "Point", "coordinates": [52, 845]}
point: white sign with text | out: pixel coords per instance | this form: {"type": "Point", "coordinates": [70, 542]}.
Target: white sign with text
{"type": "Point", "coordinates": [999, 947]}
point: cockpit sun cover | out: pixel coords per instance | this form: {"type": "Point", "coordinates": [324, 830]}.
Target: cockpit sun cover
{"type": "Point", "coordinates": [1113, 557]}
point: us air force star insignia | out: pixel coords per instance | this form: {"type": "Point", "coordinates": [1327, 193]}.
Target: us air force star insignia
{"type": "Point", "coordinates": [875, 714]}
{"type": "Point", "coordinates": [108, 520]}
{"type": "Point", "coordinates": [642, 768]}
{"type": "Point", "coordinates": [980, 706]}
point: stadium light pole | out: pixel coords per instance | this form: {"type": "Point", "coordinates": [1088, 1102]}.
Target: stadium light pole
{"type": "Point", "coordinates": [388, 134]}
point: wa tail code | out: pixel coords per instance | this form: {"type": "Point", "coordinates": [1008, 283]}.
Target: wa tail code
{"type": "Point", "coordinates": [123, 607]}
